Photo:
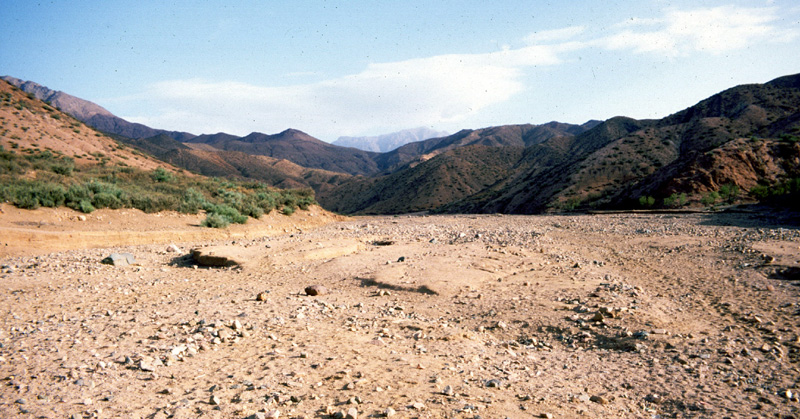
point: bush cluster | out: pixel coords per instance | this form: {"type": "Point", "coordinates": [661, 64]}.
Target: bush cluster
{"type": "Point", "coordinates": [784, 192]}
{"type": "Point", "coordinates": [57, 182]}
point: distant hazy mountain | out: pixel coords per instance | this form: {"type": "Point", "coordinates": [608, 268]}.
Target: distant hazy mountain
{"type": "Point", "coordinates": [389, 142]}
{"type": "Point", "coordinates": [90, 113]}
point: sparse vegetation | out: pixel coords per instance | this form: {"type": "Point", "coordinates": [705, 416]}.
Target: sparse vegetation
{"type": "Point", "coordinates": [161, 175]}
{"type": "Point", "coordinates": [710, 198]}
{"type": "Point", "coordinates": [53, 180]}
{"type": "Point", "coordinates": [789, 138]}
{"type": "Point", "coordinates": [676, 200]}
{"type": "Point", "coordinates": [647, 201]}
{"type": "Point", "coordinates": [777, 191]}
{"type": "Point", "coordinates": [729, 192]}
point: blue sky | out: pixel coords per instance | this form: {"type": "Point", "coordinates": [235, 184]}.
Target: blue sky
{"type": "Point", "coordinates": [372, 67]}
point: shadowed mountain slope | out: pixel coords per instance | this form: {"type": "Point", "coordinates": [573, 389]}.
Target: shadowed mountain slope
{"type": "Point", "coordinates": [298, 147]}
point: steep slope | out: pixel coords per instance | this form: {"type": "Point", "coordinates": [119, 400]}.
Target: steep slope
{"type": "Point", "coordinates": [501, 136]}
{"type": "Point", "coordinates": [90, 113]}
{"type": "Point", "coordinates": [746, 136]}
{"type": "Point", "coordinates": [208, 161]}
{"type": "Point", "coordinates": [693, 151]}
{"type": "Point", "coordinates": [388, 142]}
{"type": "Point", "coordinates": [449, 176]}
{"type": "Point", "coordinates": [298, 147]}
{"type": "Point", "coordinates": [545, 170]}
{"type": "Point", "coordinates": [30, 127]}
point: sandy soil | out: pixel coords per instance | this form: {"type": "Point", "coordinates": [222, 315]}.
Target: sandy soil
{"type": "Point", "coordinates": [604, 316]}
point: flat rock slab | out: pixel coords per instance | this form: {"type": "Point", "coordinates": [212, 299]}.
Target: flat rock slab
{"type": "Point", "coordinates": [120, 259]}
{"type": "Point", "coordinates": [221, 256]}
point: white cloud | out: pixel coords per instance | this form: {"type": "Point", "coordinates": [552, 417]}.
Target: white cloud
{"type": "Point", "coordinates": [430, 91]}
{"type": "Point", "coordinates": [439, 90]}
{"type": "Point", "coordinates": [713, 30]}
{"type": "Point", "coordinates": [549, 36]}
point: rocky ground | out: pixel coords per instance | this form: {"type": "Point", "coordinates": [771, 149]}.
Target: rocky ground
{"type": "Point", "coordinates": [603, 316]}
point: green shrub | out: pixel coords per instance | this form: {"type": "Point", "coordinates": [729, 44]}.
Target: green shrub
{"type": "Point", "coordinates": [192, 201]}
{"type": "Point", "coordinates": [729, 192]}
{"type": "Point", "coordinates": [77, 193]}
{"type": "Point", "coordinates": [62, 169]}
{"type": "Point", "coordinates": [710, 198]}
{"type": "Point", "coordinates": [760, 192]}
{"type": "Point", "coordinates": [675, 200]}
{"type": "Point", "coordinates": [287, 210]}
{"type": "Point", "coordinates": [647, 201]}
{"type": "Point", "coordinates": [214, 220]}
{"type": "Point", "coordinates": [84, 206]}
{"type": "Point", "coordinates": [106, 200]}
{"type": "Point", "coordinates": [161, 175]}
{"type": "Point", "coordinates": [232, 215]}
{"type": "Point", "coordinates": [153, 203]}
{"type": "Point", "coordinates": [35, 194]}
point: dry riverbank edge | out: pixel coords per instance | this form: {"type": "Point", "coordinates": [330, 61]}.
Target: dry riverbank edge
{"type": "Point", "coordinates": [605, 315]}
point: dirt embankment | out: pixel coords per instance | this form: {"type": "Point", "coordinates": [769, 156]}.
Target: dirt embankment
{"type": "Point", "coordinates": [45, 230]}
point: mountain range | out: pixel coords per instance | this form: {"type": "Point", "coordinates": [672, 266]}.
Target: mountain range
{"type": "Point", "coordinates": [746, 136]}
{"type": "Point", "coordinates": [389, 142]}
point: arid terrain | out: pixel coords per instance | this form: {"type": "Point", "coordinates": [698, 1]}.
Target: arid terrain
{"type": "Point", "coordinates": [490, 316]}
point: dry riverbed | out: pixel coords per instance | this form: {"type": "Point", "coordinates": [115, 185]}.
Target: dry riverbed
{"type": "Point", "coordinates": [623, 315]}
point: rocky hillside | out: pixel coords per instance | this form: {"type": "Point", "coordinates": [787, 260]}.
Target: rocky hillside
{"type": "Point", "coordinates": [31, 127]}
{"type": "Point", "coordinates": [445, 178]}
{"type": "Point", "coordinates": [741, 138]}
{"type": "Point", "coordinates": [298, 147]}
{"type": "Point", "coordinates": [744, 139]}
{"type": "Point", "coordinates": [90, 113]}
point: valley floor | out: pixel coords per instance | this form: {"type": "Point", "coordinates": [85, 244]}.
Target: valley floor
{"type": "Point", "coordinates": [492, 316]}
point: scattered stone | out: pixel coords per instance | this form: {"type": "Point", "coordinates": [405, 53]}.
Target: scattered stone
{"type": "Point", "coordinates": [546, 415]}
{"type": "Point", "coordinates": [217, 257]}
{"type": "Point", "coordinates": [257, 415]}
{"type": "Point", "coordinates": [389, 412]}
{"type": "Point", "coordinates": [120, 259]}
{"type": "Point", "coordinates": [493, 383]}
{"type": "Point", "coordinates": [352, 413]}
{"type": "Point", "coordinates": [315, 290]}
{"type": "Point", "coordinates": [448, 391]}
{"type": "Point", "coordinates": [149, 364]}
{"type": "Point", "coordinates": [418, 406]}
{"type": "Point", "coordinates": [654, 398]}
{"type": "Point", "coordinates": [262, 296]}
{"type": "Point", "coordinates": [214, 400]}
{"type": "Point", "coordinates": [599, 399]}
{"type": "Point", "coordinates": [173, 249]}
{"type": "Point", "coordinates": [273, 414]}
